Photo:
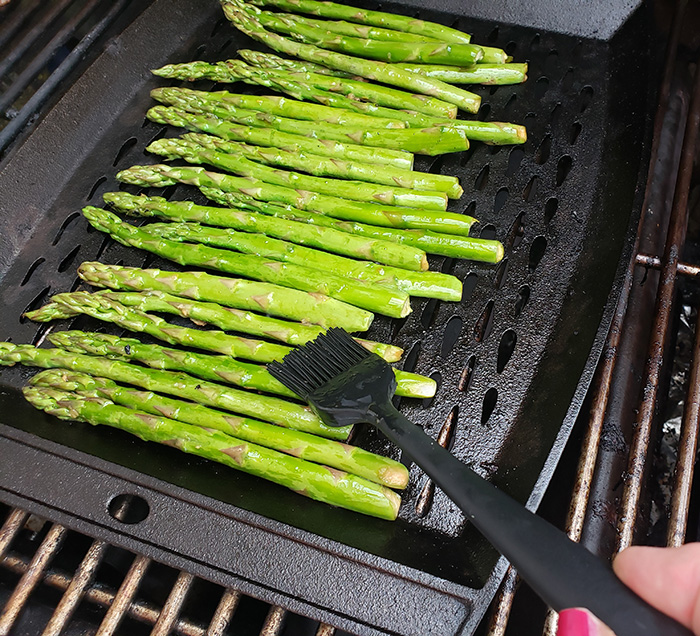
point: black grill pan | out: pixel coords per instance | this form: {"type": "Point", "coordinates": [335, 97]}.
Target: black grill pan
{"type": "Point", "coordinates": [513, 360]}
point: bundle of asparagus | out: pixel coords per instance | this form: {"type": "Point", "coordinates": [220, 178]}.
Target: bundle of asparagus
{"type": "Point", "coordinates": [321, 216]}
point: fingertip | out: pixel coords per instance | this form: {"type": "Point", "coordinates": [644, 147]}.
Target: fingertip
{"type": "Point", "coordinates": [580, 622]}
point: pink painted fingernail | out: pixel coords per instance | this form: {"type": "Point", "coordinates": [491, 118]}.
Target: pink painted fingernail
{"type": "Point", "coordinates": [576, 622]}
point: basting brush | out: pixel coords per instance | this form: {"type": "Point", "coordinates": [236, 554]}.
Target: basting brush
{"type": "Point", "coordinates": [346, 384]}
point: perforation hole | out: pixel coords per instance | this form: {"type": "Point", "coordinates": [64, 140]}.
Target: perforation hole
{"type": "Point", "coordinates": [128, 509]}
{"type": "Point", "coordinates": [32, 268]}
{"type": "Point", "coordinates": [544, 149]}
{"type": "Point", "coordinates": [436, 165]}
{"type": "Point", "coordinates": [505, 349]}
{"type": "Point", "coordinates": [550, 209]}
{"type": "Point", "coordinates": [516, 232]}
{"type": "Point", "coordinates": [448, 265]}
{"type": "Point", "coordinates": [484, 112]}
{"type": "Point", "coordinates": [586, 97]}
{"type": "Point", "coordinates": [493, 36]}
{"type": "Point", "coordinates": [218, 26]}
{"type": "Point", "coordinates": [530, 118]}
{"type": "Point", "coordinates": [489, 404]}
{"type": "Point", "coordinates": [68, 260]}
{"type": "Point", "coordinates": [511, 100]}
{"type": "Point", "coordinates": [493, 149]}
{"type": "Point", "coordinates": [470, 210]}
{"type": "Point", "coordinates": [35, 303]}
{"type": "Point", "coordinates": [453, 329]}
{"type": "Point", "coordinates": [537, 249]}
{"type": "Point", "coordinates": [445, 438]}
{"type": "Point", "coordinates": [514, 160]}
{"type": "Point", "coordinates": [199, 51]}
{"type": "Point", "coordinates": [535, 41]}
{"type": "Point", "coordinates": [64, 226]}
{"type": "Point", "coordinates": [436, 376]}
{"type": "Point", "coordinates": [105, 242]}
{"type": "Point", "coordinates": [554, 115]}
{"type": "Point", "coordinates": [488, 232]}
{"type": "Point", "coordinates": [159, 135]}
{"type": "Point", "coordinates": [465, 378]}
{"type": "Point", "coordinates": [500, 277]}
{"type": "Point", "coordinates": [541, 87]}
{"type": "Point", "coordinates": [224, 46]}
{"type": "Point", "coordinates": [466, 155]}
{"type": "Point", "coordinates": [94, 188]}
{"type": "Point", "coordinates": [41, 333]}
{"type": "Point", "coordinates": [482, 178]}
{"type": "Point", "coordinates": [522, 300]}
{"type": "Point", "coordinates": [563, 169]}
{"type": "Point", "coordinates": [411, 358]}
{"type": "Point", "coordinates": [510, 48]}
{"type": "Point", "coordinates": [428, 313]}
{"type": "Point", "coordinates": [500, 200]}
{"type": "Point", "coordinates": [469, 285]}
{"type": "Point", "coordinates": [483, 325]}
{"type": "Point", "coordinates": [575, 132]}
{"type": "Point", "coordinates": [531, 189]}
{"type": "Point", "coordinates": [125, 148]}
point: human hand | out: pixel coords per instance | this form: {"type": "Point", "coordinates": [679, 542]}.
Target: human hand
{"type": "Point", "coordinates": [667, 578]}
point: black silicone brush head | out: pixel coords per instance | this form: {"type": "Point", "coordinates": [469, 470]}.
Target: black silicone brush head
{"type": "Point", "coordinates": [318, 362]}
{"type": "Point", "coordinates": [338, 377]}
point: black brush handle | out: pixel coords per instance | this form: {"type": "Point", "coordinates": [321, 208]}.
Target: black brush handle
{"type": "Point", "coordinates": [562, 572]}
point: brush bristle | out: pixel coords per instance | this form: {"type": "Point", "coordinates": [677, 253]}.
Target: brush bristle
{"type": "Point", "coordinates": [310, 367]}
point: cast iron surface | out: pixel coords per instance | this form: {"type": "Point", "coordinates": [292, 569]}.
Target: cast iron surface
{"type": "Point", "coordinates": [512, 360]}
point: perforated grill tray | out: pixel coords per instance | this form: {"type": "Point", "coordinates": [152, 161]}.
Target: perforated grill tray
{"type": "Point", "coordinates": [512, 360]}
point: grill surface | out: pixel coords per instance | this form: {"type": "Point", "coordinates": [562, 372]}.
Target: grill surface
{"type": "Point", "coordinates": [512, 360]}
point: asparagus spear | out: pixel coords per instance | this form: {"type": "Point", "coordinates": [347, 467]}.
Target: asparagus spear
{"type": "Point", "coordinates": [217, 368]}
{"type": "Point", "coordinates": [323, 166]}
{"type": "Point", "coordinates": [273, 300]}
{"type": "Point", "coordinates": [433, 140]}
{"type": "Point", "coordinates": [312, 448]}
{"type": "Point", "coordinates": [376, 93]}
{"type": "Point", "coordinates": [104, 307]}
{"type": "Point", "coordinates": [370, 69]}
{"type": "Point", "coordinates": [225, 318]}
{"type": "Point", "coordinates": [384, 51]}
{"type": "Point", "coordinates": [270, 60]}
{"type": "Point", "coordinates": [392, 216]}
{"type": "Point", "coordinates": [485, 250]}
{"type": "Point", "coordinates": [341, 27]}
{"type": "Point", "coordinates": [475, 74]}
{"type": "Point", "coordinates": [264, 407]}
{"type": "Point", "coordinates": [278, 139]}
{"type": "Point", "coordinates": [315, 481]}
{"type": "Point", "coordinates": [237, 163]}
{"type": "Point", "coordinates": [273, 104]}
{"type": "Point", "coordinates": [364, 295]}
{"type": "Point", "coordinates": [337, 11]}
{"type": "Point", "coordinates": [329, 239]}
{"type": "Point", "coordinates": [421, 284]}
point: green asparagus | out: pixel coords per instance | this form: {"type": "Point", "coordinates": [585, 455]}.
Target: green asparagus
{"type": "Point", "coordinates": [370, 69]}
{"type": "Point", "coordinates": [270, 137]}
{"type": "Point", "coordinates": [477, 249]}
{"type": "Point", "coordinates": [421, 284]}
{"type": "Point", "coordinates": [375, 298]}
{"type": "Point", "coordinates": [312, 448]}
{"type": "Point", "coordinates": [273, 300]}
{"type": "Point", "coordinates": [393, 21]}
{"type": "Point", "coordinates": [295, 66]}
{"type": "Point", "coordinates": [329, 239]}
{"type": "Point", "coordinates": [237, 163]}
{"type": "Point", "coordinates": [312, 480]}
{"type": "Point", "coordinates": [217, 368]}
{"type": "Point", "coordinates": [324, 166]}
{"type": "Point", "coordinates": [475, 74]}
{"type": "Point", "coordinates": [391, 216]}
{"type": "Point", "coordinates": [435, 140]}
{"type": "Point", "coordinates": [267, 408]}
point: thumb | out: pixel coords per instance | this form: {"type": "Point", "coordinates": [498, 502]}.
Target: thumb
{"type": "Point", "coordinates": [580, 622]}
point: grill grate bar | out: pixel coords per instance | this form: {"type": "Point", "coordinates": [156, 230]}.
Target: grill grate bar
{"type": "Point", "coordinates": [225, 610]}
{"type": "Point", "coordinates": [661, 328]}
{"type": "Point", "coordinates": [654, 262]}
{"type": "Point", "coordinates": [13, 524]}
{"type": "Point", "coordinates": [122, 601]}
{"type": "Point", "coordinates": [73, 595]}
{"type": "Point", "coordinates": [325, 630]}
{"type": "Point", "coordinates": [274, 621]}
{"type": "Point", "coordinates": [50, 86]}
{"type": "Point", "coordinates": [31, 577]}
{"type": "Point", "coordinates": [498, 623]}
{"type": "Point", "coordinates": [173, 605]}
{"type": "Point", "coordinates": [11, 25]}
